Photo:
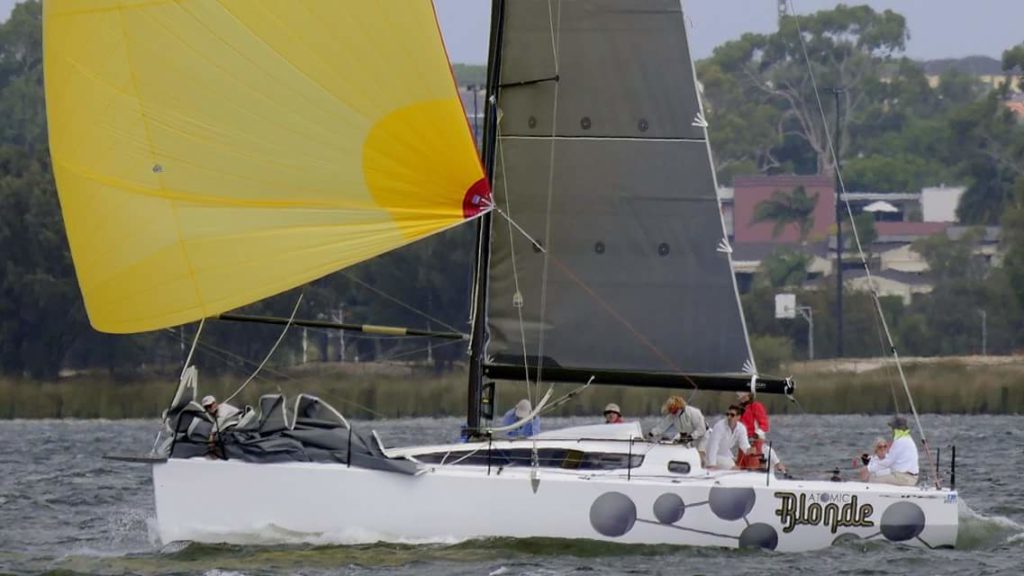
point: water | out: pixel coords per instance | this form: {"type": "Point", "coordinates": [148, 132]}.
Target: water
{"type": "Point", "coordinates": [64, 510]}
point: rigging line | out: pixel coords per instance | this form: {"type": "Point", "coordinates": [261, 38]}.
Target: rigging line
{"type": "Point", "coordinates": [413, 309]}
{"type": "Point", "coordinates": [227, 355]}
{"type": "Point", "coordinates": [622, 320]}
{"type": "Point", "coordinates": [421, 350]}
{"type": "Point", "coordinates": [272, 350]}
{"type": "Point", "coordinates": [555, 40]}
{"type": "Point", "coordinates": [517, 298]}
{"type": "Point", "coordinates": [565, 268]}
{"type": "Point", "coordinates": [886, 367]}
{"type": "Point", "coordinates": [567, 396]}
{"type": "Point", "coordinates": [514, 224]}
{"type": "Point", "coordinates": [195, 342]}
{"type": "Point", "coordinates": [860, 249]}
{"type": "Point", "coordinates": [224, 355]}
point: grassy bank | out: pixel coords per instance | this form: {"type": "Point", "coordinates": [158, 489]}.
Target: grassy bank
{"type": "Point", "coordinates": [962, 385]}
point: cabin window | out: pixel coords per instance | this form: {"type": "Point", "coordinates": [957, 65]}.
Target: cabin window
{"type": "Point", "coordinates": [546, 458]}
{"type": "Point", "coordinates": [677, 467]}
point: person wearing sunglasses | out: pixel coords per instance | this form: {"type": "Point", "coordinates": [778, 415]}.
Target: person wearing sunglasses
{"type": "Point", "coordinates": [726, 435]}
{"type": "Point", "coordinates": [870, 463]}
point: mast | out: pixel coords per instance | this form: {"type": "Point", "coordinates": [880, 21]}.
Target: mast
{"type": "Point", "coordinates": [479, 332]}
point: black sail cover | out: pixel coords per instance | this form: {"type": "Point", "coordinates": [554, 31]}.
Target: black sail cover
{"type": "Point", "coordinates": [602, 157]}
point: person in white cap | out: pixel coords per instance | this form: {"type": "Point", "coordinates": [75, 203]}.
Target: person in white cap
{"type": "Point", "coordinates": [521, 410]}
{"type": "Point", "coordinates": [612, 414]}
{"type": "Point", "coordinates": [222, 412]}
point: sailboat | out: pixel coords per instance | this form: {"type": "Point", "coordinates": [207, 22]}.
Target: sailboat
{"type": "Point", "coordinates": [212, 153]}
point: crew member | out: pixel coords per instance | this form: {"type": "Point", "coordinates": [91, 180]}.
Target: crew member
{"type": "Point", "coordinates": [899, 466]}
{"type": "Point", "coordinates": [687, 421]}
{"type": "Point", "coordinates": [521, 410]}
{"type": "Point", "coordinates": [612, 414]}
{"type": "Point", "coordinates": [727, 434]}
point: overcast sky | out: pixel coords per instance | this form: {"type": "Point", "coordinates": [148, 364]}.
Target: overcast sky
{"type": "Point", "coordinates": [938, 28]}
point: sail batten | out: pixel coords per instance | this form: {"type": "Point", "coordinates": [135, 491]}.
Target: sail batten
{"type": "Point", "coordinates": [211, 153]}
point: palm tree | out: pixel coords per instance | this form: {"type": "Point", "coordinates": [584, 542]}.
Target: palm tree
{"type": "Point", "coordinates": [784, 208]}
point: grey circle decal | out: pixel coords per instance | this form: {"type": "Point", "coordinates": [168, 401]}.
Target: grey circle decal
{"type": "Point", "coordinates": [902, 521]}
{"type": "Point", "coordinates": [759, 535]}
{"type": "Point", "coordinates": [613, 514]}
{"type": "Point", "coordinates": [669, 508]}
{"type": "Point", "coordinates": [846, 538]}
{"type": "Point", "coordinates": [731, 503]}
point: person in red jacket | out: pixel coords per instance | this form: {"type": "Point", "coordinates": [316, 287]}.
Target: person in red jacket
{"type": "Point", "coordinates": [755, 420]}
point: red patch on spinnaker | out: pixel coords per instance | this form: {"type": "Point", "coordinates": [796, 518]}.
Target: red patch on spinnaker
{"type": "Point", "coordinates": [477, 198]}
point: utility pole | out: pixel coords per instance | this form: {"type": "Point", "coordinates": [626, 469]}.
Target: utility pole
{"type": "Point", "coordinates": [839, 228]}
{"type": "Point", "coordinates": [782, 11]}
{"type": "Point", "coordinates": [984, 333]}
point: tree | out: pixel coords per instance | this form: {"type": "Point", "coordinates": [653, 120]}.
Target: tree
{"type": "Point", "coordinates": [785, 268]}
{"type": "Point", "coordinates": [845, 46]}
{"type": "Point", "coordinates": [783, 209]}
{"type": "Point", "coordinates": [1013, 61]}
{"type": "Point", "coordinates": [864, 224]}
{"type": "Point", "coordinates": [991, 158]}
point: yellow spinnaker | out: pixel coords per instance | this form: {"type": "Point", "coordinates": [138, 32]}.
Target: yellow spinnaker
{"type": "Point", "coordinates": [211, 153]}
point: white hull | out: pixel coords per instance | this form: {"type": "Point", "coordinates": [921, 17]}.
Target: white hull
{"type": "Point", "coordinates": [211, 500]}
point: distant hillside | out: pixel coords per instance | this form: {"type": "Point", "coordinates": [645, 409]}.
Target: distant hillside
{"type": "Point", "coordinates": [973, 65]}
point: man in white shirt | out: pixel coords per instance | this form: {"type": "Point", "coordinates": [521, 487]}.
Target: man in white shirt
{"type": "Point", "coordinates": [222, 412]}
{"type": "Point", "coordinates": [726, 434]}
{"type": "Point", "coordinates": [687, 421]}
{"type": "Point", "coordinates": [899, 466]}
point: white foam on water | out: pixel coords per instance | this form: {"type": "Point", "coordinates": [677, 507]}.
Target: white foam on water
{"type": "Point", "coordinates": [968, 513]}
{"type": "Point", "coordinates": [275, 535]}
{"type": "Point", "coordinates": [499, 571]}
{"type": "Point", "coordinates": [977, 530]}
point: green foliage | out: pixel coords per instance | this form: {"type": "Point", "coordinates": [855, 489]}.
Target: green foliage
{"type": "Point", "coordinates": [757, 85]}
{"type": "Point", "coordinates": [992, 158]}
{"type": "Point", "coordinates": [785, 268]}
{"type": "Point", "coordinates": [795, 207]}
{"type": "Point", "coordinates": [772, 352]}
{"type": "Point", "coordinates": [1013, 61]}
{"type": "Point", "coordinates": [470, 74]}
{"type": "Point", "coordinates": [906, 173]}
{"type": "Point", "coordinates": [864, 224]}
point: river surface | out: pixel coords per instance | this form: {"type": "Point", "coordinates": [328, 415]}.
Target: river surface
{"type": "Point", "coordinates": [65, 510]}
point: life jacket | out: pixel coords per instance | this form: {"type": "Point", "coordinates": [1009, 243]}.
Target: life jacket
{"type": "Point", "coordinates": [754, 458]}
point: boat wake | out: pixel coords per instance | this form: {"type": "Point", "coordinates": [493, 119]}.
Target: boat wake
{"type": "Point", "coordinates": [272, 535]}
{"type": "Point", "coordinates": [979, 531]}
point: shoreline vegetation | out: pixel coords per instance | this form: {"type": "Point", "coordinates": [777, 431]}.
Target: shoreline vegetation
{"type": "Point", "coordinates": [949, 385]}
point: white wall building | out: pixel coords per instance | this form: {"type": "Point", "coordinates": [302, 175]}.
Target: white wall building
{"type": "Point", "coordinates": [938, 204]}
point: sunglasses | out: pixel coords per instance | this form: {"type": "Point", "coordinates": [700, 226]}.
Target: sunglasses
{"type": "Point", "coordinates": [732, 414]}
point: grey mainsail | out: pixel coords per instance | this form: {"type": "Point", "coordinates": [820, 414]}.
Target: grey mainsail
{"type": "Point", "coordinates": [602, 157]}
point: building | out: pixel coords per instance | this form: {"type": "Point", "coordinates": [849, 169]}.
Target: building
{"type": "Point", "coordinates": [749, 191]}
{"type": "Point", "coordinates": [938, 204]}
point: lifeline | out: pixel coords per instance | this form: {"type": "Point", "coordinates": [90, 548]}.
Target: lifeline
{"type": "Point", "coordinates": [794, 510]}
